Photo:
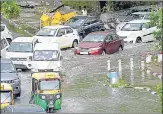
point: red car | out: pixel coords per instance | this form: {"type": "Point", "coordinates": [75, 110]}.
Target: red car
{"type": "Point", "coordinates": [97, 43]}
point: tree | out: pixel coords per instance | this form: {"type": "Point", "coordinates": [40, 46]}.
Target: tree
{"type": "Point", "coordinates": [157, 20]}
{"type": "Point", "coordinates": [10, 9]}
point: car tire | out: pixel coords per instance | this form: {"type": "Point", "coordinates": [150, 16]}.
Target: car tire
{"type": "Point", "coordinates": [9, 40]}
{"type": "Point", "coordinates": [120, 48]}
{"type": "Point", "coordinates": [74, 44]}
{"type": "Point", "coordinates": [138, 40]}
{"type": "Point", "coordinates": [18, 95]}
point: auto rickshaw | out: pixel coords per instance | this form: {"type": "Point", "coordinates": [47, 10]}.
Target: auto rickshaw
{"type": "Point", "coordinates": [7, 97]}
{"type": "Point", "coordinates": [46, 91]}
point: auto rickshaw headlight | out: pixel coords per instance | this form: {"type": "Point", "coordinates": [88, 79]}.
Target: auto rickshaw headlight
{"type": "Point", "coordinates": [58, 96]}
{"type": "Point", "coordinates": [42, 96]}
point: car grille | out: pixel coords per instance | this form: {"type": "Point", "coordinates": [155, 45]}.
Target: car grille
{"type": "Point", "coordinates": [8, 81]}
{"type": "Point", "coordinates": [45, 70]}
{"type": "Point", "coordinates": [19, 59]}
{"type": "Point", "coordinates": [84, 49]}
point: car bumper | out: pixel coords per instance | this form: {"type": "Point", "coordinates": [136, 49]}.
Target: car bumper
{"type": "Point", "coordinates": [22, 64]}
{"type": "Point", "coordinates": [93, 52]}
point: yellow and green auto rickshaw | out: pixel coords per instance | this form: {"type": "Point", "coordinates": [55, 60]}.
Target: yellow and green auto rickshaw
{"type": "Point", "coordinates": [46, 90]}
{"type": "Point", "coordinates": [7, 97]}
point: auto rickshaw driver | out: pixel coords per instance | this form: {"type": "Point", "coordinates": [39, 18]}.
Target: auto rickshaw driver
{"type": "Point", "coordinates": [7, 97]}
{"type": "Point", "coordinates": [46, 90]}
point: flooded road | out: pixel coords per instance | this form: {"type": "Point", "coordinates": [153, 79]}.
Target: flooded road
{"type": "Point", "coordinates": [83, 89]}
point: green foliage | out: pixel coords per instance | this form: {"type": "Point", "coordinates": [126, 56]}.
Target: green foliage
{"type": "Point", "coordinates": [157, 20]}
{"type": "Point", "coordinates": [158, 89]}
{"type": "Point", "coordinates": [10, 9]}
{"type": "Point", "coordinates": [154, 59]}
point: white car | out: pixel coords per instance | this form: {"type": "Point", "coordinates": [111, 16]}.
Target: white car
{"type": "Point", "coordinates": [4, 45]}
{"type": "Point", "coordinates": [65, 36]}
{"type": "Point", "coordinates": [20, 52]}
{"type": "Point", "coordinates": [133, 16]}
{"type": "Point", "coordinates": [47, 58]}
{"type": "Point", "coordinates": [137, 31]}
{"type": "Point", "coordinates": [6, 33]}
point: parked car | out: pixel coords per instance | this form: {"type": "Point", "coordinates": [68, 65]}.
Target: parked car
{"type": "Point", "coordinates": [10, 75]}
{"type": "Point", "coordinates": [133, 16]}
{"type": "Point", "coordinates": [137, 31]}
{"type": "Point", "coordinates": [100, 43]}
{"type": "Point", "coordinates": [47, 57]}
{"type": "Point", "coordinates": [20, 51]}
{"type": "Point", "coordinates": [86, 25]}
{"type": "Point", "coordinates": [21, 108]}
{"type": "Point", "coordinates": [6, 33]}
{"type": "Point", "coordinates": [4, 45]}
{"type": "Point", "coordinates": [65, 36]}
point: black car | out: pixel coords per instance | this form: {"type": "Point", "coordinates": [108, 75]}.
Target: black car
{"type": "Point", "coordinates": [30, 108]}
{"type": "Point", "coordinates": [86, 24]}
{"type": "Point", "coordinates": [10, 75]}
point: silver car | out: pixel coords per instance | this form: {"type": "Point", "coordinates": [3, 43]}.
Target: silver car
{"type": "Point", "coordinates": [10, 75]}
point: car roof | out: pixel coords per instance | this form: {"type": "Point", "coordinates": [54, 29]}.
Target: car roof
{"type": "Point", "coordinates": [141, 13]}
{"type": "Point", "coordinates": [4, 60]}
{"type": "Point", "coordinates": [26, 108]}
{"type": "Point", "coordinates": [23, 39]}
{"type": "Point", "coordinates": [57, 26]}
{"type": "Point", "coordinates": [47, 46]}
{"type": "Point", "coordinates": [139, 21]}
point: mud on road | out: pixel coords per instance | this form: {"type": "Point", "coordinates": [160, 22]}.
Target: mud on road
{"type": "Point", "coordinates": [83, 89]}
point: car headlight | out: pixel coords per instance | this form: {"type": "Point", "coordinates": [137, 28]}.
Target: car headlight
{"type": "Point", "coordinates": [34, 70]}
{"type": "Point", "coordinates": [58, 96]}
{"type": "Point", "coordinates": [94, 49]}
{"type": "Point", "coordinates": [17, 80]}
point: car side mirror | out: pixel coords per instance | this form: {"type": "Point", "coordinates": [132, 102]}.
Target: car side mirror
{"type": "Point", "coordinates": [19, 70]}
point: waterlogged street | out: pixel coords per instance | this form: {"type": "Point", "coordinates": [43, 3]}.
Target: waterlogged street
{"type": "Point", "coordinates": [83, 89]}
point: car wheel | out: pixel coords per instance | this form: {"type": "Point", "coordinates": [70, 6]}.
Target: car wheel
{"type": "Point", "coordinates": [9, 40]}
{"type": "Point", "coordinates": [120, 48]}
{"type": "Point", "coordinates": [103, 52]}
{"type": "Point", "coordinates": [74, 44]}
{"type": "Point", "coordinates": [138, 40]}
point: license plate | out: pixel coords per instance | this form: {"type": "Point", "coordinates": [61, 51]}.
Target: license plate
{"type": "Point", "coordinates": [84, 53]}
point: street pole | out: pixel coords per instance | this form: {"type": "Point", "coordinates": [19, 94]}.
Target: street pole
{"type": "Point", "coordinates": [132, 72]}
{"type": "Point", "coordinates": [108, 65]}
{"type": "Point", "coordinates": [142, 70]}
{"type": "Point", "coordinates": [120, 67]}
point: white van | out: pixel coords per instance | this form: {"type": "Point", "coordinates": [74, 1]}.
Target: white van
{"type": "Point", "coordinates": [47, 58]}
{"type": "Point", "coordinates": [4, 45]}
{"type": "Point", "coordinates": [20, 52]}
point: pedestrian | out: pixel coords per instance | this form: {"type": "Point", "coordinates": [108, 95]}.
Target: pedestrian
{"type": "Point", "coordinates": [84, 11]}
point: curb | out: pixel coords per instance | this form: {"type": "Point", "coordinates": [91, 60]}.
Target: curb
{"type": "Point", "coordinates": [158, 75]}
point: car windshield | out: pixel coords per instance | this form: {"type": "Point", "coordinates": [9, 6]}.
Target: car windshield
{"type": "Point", "coordinates": [20, 47]}
{"type": "Point", "coordinates": [2, 28]}
{"type": "Point", "coordinates": [7, 68]}
{"type": "Point", "coordinates": [49, 84]}
{"type": "Point", "coordinates": [6, 96]}
{"type": "Point", "coordinates": [46, 32]}
{"type": "Point", "coordinates": [132, 27]}
{"type": "Point", "coordinates": [94, 38]}
{"type": "Point", "coordinates": [46, 55]}
{"type": "Point", "coordinates": [134, 16]}
{"type": "Point", "coordinates": [77, 22]}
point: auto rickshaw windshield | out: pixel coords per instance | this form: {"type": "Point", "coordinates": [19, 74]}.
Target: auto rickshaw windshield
{"type": "Point", "coordinates": [6, 96]}
{"type": "Point", "coordinates": [49, 84]}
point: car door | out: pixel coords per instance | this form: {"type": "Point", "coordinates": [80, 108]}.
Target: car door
{"type": "Point", "coordinates": [117, 42]}
{"type": "Point", "coordinates": [147, 33]}
{"type": "Point", "coordinates": [70, 37]}
{"type": "Point", "coordinates": [109, 44]}
{"type": "Point", "coordinates": [4, 46]}
{"type": "Point", "coordinates": [61, 37]}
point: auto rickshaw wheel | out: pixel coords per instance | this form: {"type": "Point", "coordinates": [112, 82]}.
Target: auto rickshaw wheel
{"type": "Point", "coordinates": [50, 110]}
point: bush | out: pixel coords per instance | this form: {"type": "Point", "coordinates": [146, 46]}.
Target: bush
{"type": "Point", "coordinates": [158, 89]}
{"type": "Point", "coordinates": [157, 20]}
{"type": "Point", "coordinates": [10, 9]}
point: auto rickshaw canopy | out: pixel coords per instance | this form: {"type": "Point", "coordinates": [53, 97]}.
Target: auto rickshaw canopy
{"type": "Point", "coordinates": [5, 86]}
{"type": "Point", "coordinates": [46, 75]}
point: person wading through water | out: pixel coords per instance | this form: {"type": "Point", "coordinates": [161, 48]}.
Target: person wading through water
{"type": "Point", "coordinates": [84, 11]}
